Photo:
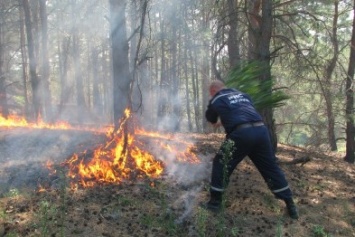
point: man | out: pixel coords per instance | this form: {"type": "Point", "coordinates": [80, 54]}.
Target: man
{"type": "Point", "coordinates": [249, 137]}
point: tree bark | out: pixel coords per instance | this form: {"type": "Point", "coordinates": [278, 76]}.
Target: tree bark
{"type": "Point", "coordinates": [254, 28]}
{"type": "Point", "coordinates": [233, 42]}
{"type": "Point", "coordinates": [264, 54]}
{"type": "Point", "coordinates": [350, 143]}
{"type": "Point", "coordinates": [260, 29]}
{"type": "Point", "coordinates": [35, 81]}
{"type": "Point", "coordinates": [120, 61]}
{"type": "Point", "coordinates": [4, 110]}
{"type": "Point", "coordinates": [24, 61]}
{"type": "Point", "coordinates": [65, 91]}
{"type": "Point", "coordinates": [196, 93]}
{"type": "Point", "coordinates": [327, 85]}
{"type": "Point", "coordinates": [47, 100]}
{"type": "Point", "coordinates": [187, 91]}
{"type": "Point", "coordinates": [174, 89]}
{"type": "Point", "coordinates": [164, 80]}
{"type": "Point", "coordinates": [80, 96]}
{"type": "Point", "coordinates": [96, 98]}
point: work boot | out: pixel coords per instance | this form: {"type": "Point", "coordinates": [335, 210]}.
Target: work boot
{"type": "Point", "coordinates": [291, 208]}
{"type": "Point", "coordinates": [213, 205]}
{"type": "Point", "coordinates": [215, 202]}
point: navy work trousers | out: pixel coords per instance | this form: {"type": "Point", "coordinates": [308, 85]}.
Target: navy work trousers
{"type": "Point", "coordinates": [253, 142]}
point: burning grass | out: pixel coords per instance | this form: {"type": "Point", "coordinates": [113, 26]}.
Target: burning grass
{"type": "Point", "coordinates": [166, 204]}
{"type": "Point", "coordinates": [125, 154]}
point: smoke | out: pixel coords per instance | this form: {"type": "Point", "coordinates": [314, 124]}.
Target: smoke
{"type": "Point", "coordinates": [86, 58]}
{"type": "Point", "coordinates": [189, 177]}
{"type": "Point", "coordinates": [26, 152]}
{"type": "Point", "coordinates": [187, 201]}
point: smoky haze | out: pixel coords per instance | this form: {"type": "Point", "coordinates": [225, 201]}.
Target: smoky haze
{"type": "Point", "coordinates": [80, 84]}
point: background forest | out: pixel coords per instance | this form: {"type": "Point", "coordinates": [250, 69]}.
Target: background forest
{"type": "Point", "coordinates": [71, 60]}
{"type": "Point", "coordinates": [86, 61]}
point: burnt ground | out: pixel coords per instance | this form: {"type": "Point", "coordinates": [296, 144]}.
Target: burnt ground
{"type": "Point", "coordinates": [324, 188]}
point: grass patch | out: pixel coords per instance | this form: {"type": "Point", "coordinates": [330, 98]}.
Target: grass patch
{"type": "Point", "coordinates": [318, 231]}
{"type": "Point", "coordinates": [201, 220]}
{"type": "Point", "coordinates": [271, 203]}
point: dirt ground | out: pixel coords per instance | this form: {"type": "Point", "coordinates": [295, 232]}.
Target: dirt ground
{"type": "Point", "coordinates": [323, 185]}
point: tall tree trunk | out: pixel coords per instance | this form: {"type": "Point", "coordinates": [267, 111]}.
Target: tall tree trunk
{"type": "Point", "coordinates": [206, 69]}
{"type": "Point", "coordinates": [260, 29]}
{"type": "Point", "coordinates": [107, 84]}
{"type": "Point", "coordinates": [96, 98]}
{"type": "Point", "coordinates": [196, 92]}
{"type": "Point", "coordinates": [328, 85]}
{"type": "Point", "coordinates": [47, 101]}
{"type": "Point", "coordinates": [24, 61]}
{"type": "Point", "coordinates": [254, 28]}
{"type": "Point", "coordinates": [80, 96]}
{"type": "Point", "coordinates": [133, 39]}
{"type": "Point", "coordinates": [120, 61]}
{"type": "Point", "coordinates": [233, 42]}
{"type": "Point", "coordinates": [164, 80]}
{"type": "Point", "coordinates": [350, 131]}
{"type": "Point", "coordinates": [264, 51]}
{"type": "Point", "coordinates": [174, 89]}
{"type": "Point", "coordinates": [35, 81]}
{"type": "Point", "coordinates": [63, 52]}
{"type": "Point", "coordinates": [187, 89]}
{"type": "Point", "coordinates": [4, 110]}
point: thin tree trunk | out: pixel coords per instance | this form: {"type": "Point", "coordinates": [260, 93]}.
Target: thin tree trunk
{"type": "Point", "coordinates": [187, 82]}
{"type": "Point", "coordinates": [196, 93]}
{"type": "Point", "coordinates": [164, 82]}
{"type": "Point", "coordinates": [97, 102]}
{"type": "Point", "coordinates": [4, 110]}
{"type": "Point", "coordinates": [65, 90]}
{"type": "Point", "coordinates": [350, 131]}
{"type": "Point", "coordinates": [35, 81]}
{"type": "Point", "coordinates": [24, 61]}
{"type": "Point", "coordinates": [206, 70]}
{"type": "Point", "coordinates": [47, 101]}
{"type": "Point", "coordinates": [174, 89]}
{"type": "Point", "coordinates": [80, 97]}
{"type": "Point", "coordinates": [327, 86]}
{"type": "Point", "coordinates": [107, 84]}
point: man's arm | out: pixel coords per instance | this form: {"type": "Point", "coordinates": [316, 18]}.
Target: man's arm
{"type": "Point", "coordinates": [211, 115]}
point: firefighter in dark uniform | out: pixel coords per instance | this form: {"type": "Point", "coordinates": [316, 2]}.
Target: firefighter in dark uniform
{"type": "Point", "coordinates": [250, 137]}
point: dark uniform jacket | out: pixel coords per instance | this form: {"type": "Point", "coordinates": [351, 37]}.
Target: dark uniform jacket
{"type": "Point", "coordinates": [233, 108]}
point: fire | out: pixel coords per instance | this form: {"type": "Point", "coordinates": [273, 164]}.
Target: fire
{"type": "Point", "coordinates": [177, 145]}
{"type": "Point", "coordinates": [113, 164]}
{"type": "Point", "coordinates": [125, 155]}
{"type": "Point", "coordinates": [16, 121]}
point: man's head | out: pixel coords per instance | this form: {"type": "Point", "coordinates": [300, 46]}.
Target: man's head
{"type": "Point", "coordinates": [216, 86]}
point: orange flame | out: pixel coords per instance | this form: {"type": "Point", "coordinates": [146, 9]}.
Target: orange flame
{"type": "Point", "coordinates": [123, 157]}
{"type": "Point", "coordinates": [180, 147]}
{"type": "Point", "coordinates": [16, 121]}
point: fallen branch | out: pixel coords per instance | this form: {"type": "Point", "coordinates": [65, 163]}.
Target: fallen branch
{"type": "Point", "coordinates": [302, 160]}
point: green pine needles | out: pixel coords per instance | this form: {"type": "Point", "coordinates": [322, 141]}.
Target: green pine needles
{"type": "Point", "coordinates": [246, 77]}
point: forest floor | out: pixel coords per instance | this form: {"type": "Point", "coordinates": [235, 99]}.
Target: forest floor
{"type": "Point", "coordinates": [323, 185]}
